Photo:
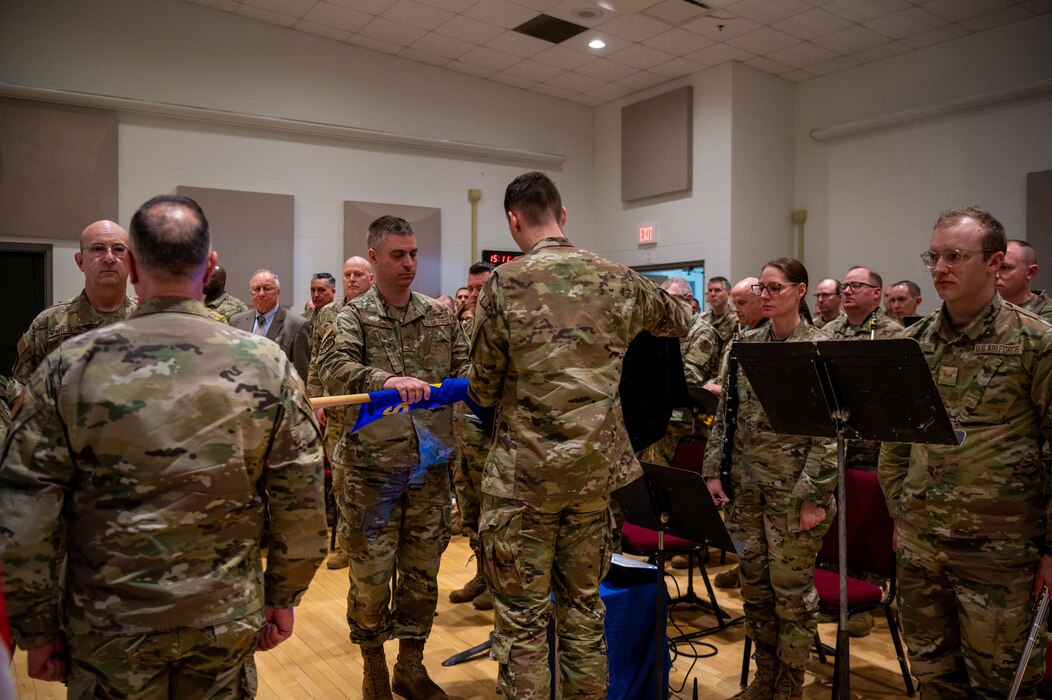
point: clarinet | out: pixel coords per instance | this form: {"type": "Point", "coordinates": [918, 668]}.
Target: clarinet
{"type": "Point", "coordinates": [730, 423]}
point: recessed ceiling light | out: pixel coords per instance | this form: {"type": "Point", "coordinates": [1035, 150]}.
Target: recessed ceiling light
{"type": "Point", "coordinates": [597, 44]}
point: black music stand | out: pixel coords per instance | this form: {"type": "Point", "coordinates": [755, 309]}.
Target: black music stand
{"type": "Point", "coordinates": [676, 502]}
{"type": "Point", "coordinates": [847, 389]}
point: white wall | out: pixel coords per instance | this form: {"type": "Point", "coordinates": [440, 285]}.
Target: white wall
{"type": "Point", "coordinates": [872, 199]}
{"type": "Point", "coordinates": [175, 52]}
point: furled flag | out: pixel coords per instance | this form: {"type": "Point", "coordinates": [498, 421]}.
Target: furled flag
{"type": "Point", "coordinates": [388, 402]}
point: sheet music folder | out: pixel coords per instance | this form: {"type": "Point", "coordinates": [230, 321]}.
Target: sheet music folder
{"type": "Point", "coordinates": [885, 385]}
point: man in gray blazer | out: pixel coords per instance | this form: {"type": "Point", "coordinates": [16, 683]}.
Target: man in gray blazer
{"type": "Point", "coordinates": [289, 330]}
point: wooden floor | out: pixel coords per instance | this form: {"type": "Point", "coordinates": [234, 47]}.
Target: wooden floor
{"type": "Point", "coordinates": [320, 661]}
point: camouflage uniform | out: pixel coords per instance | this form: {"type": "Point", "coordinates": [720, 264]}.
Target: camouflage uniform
{"type": "Point", "coordinates": [863, 454]}
{"type": "Point", "coordinates": [560, 449]}
{"type": "Point", "coordinates": [157, 445]}
{"type": "Point", "coordinates": [701, 349]}
{"type": "Point", "coordinates": [773, 475]}
{"type": "Point", "coordinates": [59, 323]}
{"type": "Point", "coordinates": [9, 391]}
{"type": "Point", "coordinates": [395, 499]}
{"type": "Point", "coordinates": [227, 305]}
{"type": "Point", "coordinates": [323, 326]}
{"type": "Point", "coordinates": [1039, 304]}
{"type": "Point", "coordinates": [725, 325]}
{"type": "Point", "coordinates": [819, 322]}
{"type": "Point", "coordinates": [973, 519]}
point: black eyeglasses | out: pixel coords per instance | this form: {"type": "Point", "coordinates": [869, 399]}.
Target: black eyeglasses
{"type": "Point", "coordinates": [774, 288]}
{"type": "Point", "coordinates": [856, 286]}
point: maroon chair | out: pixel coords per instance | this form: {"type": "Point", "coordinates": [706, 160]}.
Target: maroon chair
{"type": "Point", "coordinates": [869, 534]}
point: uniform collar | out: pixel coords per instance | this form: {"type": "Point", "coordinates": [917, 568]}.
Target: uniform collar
{"type": "Point", "coordinates": [974, 329]}
{"type": "Point", "coordinates": [179, 305]}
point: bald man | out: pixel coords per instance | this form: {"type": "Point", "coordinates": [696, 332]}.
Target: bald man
{"type": "Point", "coordinates": [218, 299]}
{"type": "Point", "coordinates": [103, 258]}
{"type": "Point", "coordinates": [357, 278]}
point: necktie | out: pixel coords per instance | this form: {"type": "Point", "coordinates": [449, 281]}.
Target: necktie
{"type": "Point", "coordinates": [261, 321]}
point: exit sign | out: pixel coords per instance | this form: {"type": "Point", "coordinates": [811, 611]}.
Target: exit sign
{"type": "Point", "coordinates": [647, 235]}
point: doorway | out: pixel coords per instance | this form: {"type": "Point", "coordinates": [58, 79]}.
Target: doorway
{"type": "Point", "coordinates": [26, 269]}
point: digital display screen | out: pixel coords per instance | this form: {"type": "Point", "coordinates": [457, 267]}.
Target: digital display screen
{"type": "Point", "coordinates": [499, 257]}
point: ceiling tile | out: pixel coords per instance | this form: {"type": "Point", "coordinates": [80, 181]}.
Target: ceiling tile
{"type": "Point", "coordinates": [634, 27]}
{"type": "Point", "coordinates": [642, 80]}
{"type": "Point", "coordinates": [471, 30]}
{"type": "Point", "coordinates": [224, 5]}
{"type": "Point", "coordinates": [486, 57]}
{"type": "Point", "coordinates": [587, 100]}
{"type": "Point", "coordinates": [798, 76]}
{"type": "Point", "coordinates": [996, 19]}
{"type": "Point", "coordinates": [862, 11]}
{"type": "Point", "coordinates": [324, 30]}
{"type": "Point", "coordinates": [679, 42]}
{"type": "Point", "coordinates": [763, 40]}
{"type": "Point", "coordinates": [553, 91]}
{"type": "Point", "coordinates": [768, 66]}
{"type": "Point", "coordinates": [539, 5]}
{"type": "Point", "coordinates": [450, 5]}
{"type": "Point", "coordinates": [837, 64]}
{"type": "Point", "coordinates": [372, 7]}
{"type": "Point", "coordinates": [292, 8]}
{"type": "Point", "coordinates": [337, 17]}
{"type": "Point", "coordinates": [423, 57]}
{"type": "Point", "coordinates": [442, 45]}
{"type": "Point", "coordinates": [854, 38]}
{"type": "Point", "coordinates": [676, 11]}
{"type": "Point", "coordinates": [383, 29]}
{"type": "Point", "coordinates": [540, 72]}
{"type": "Point", "coordinates": [565, 58]}
{"type": "Point", "coordinates": [811, 24]}
{"type": "Point", "coordinates": [519, 44]}
{"type": "Point", "coordinates": [513, 80]}
{"type": "Point", "coordinates": [605, 69]}
{"type": "Point", "coordinates": [908, 22]}
{"type": "Point", "coordinates": [936, 36]}
{"type": "Point", "coordinates": [880, 52]}
{"type": "Point", "coordinates": [374, 44]}
{"type": "Point", "coordinates": [477, 71]}
{"type": "Point", "coordinates": [768, 11]}
{"type": "Point", "coordinates": [575, 82]}
{"type": "Point", "coordinates": [802, 55]}
{"type": "Point", "coordinates": [721, 30]}
{"type": "Point", "coordinates": [677, 68]}
{"type": "Point", "coordinates": [266, 16]}
{"type": "Point", "coordinates": [610, 92]}
{"type": "Point", "coordinates": [641, 57]}
{"type": "Point", "coordinates": [417, 14]}
{"type": "Point", "coordinates": [956, 10]}
{"type": "Point", "coordinates": [501, 13]}
{"type": "Point", "coordinates": [720, 53]}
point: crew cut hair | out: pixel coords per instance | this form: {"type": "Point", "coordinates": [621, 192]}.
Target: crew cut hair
{"type": "Point", "coordinates": [534, 197]}
{"type": "Point", "coordinates": [162, 243]}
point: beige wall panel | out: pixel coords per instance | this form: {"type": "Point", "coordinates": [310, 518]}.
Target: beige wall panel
{"type": "Point", "coordinates": [426, 223]}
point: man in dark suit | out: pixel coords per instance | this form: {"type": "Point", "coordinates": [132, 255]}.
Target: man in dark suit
{"type": "Point", "coordinates": [268, 318]}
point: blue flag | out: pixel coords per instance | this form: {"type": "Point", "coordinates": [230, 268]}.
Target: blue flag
{"type": "Point", "coordinates": [388, 402]}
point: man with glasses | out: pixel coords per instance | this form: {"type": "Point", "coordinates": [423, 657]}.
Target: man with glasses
{"type": "Point", "coordinates": [103, 260]}
{"type": "Point", "coordinates": [1013, 280]}
{"type": "Point", "coordinates": [270, 319]}
{"type": "Point", "coordinates": [827, 302]}
{"type": "Point", "coordinates": [719, 315]}
{"type": "Point", "coordinates": [972, 520]}
{"type": "Point", "coordinates": [863, 318]}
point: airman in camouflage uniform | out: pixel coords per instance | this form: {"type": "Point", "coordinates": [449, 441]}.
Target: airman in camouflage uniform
{"type": "Point", "coordinates": [551, 332]}
{"type": "Point", "coordinates": [395, 496]}
{"type": "Point", "coordinates": [218, 299]}
{"type": "Point", "coordinates": [719, 314]}
{"type": "Point", "coordinates": [102, 258]}
{"type": "Point", "coordinates": [701, 351]}
{"type": "Point", "coordinates": [1013, 280]}
{"type": "Point", "coordinates": [473, 446]}
{"type": "Point", "coordinates": [828, 297]}
{"type": "Point", "coordinates": [157, 445]}
{"type": "Point", "coordinates": [973, 520]}
{"type": "Point", "coordinates": [357, 277]}
{"type": "Point", "coordinates": [777, 480]}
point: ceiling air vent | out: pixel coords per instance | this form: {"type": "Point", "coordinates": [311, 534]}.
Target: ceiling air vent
{"type": "Point", "coordinates": [549, 28]}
